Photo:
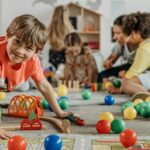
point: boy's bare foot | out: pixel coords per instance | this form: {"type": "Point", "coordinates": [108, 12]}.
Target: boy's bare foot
{"type": "Point", "coordinates": [4, 134]}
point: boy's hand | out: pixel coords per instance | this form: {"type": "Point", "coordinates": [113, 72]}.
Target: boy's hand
{"type": "Point", "coordinates": [122, 73]}
{"type": "Point", "coordinates": [4, 134]}
{"type": "Point", "coordinates": [63, 114]}
{"type": "Point", "coordinates": [108, 64]}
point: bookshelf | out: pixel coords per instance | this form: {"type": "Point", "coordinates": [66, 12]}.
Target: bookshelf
{"type": "Point", "coordinates": [87, 24]}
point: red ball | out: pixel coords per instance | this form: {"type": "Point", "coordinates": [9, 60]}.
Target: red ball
{"type": "Point", "coordinates": [128, 138]}
{"type": "Point", "coordinates": [103, 127]}
{"type": "Point", "coordinates": [17, 143]}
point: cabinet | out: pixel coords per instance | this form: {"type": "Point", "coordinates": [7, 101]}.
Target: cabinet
{"type": "Point", "coordinates": [87, 24]}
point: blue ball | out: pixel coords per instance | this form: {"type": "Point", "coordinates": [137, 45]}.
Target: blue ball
{"type": "Point", "coordinates": [63, 97]}
{"type": "Point", "coordinates": [109, 100]}
{"type": "Point", "coordinates": [49, 108]}
{"type": "Point", "coordinates": [53, 142]}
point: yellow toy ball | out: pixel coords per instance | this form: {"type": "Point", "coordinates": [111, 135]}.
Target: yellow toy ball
{"type": "Point", "coordinates": [2, 95]}
{"type": "Point", "coordinates": [130, 113]}
{"type": "Point", "coordinates": [106, 85]}
{"type": "Point", "coordinates": [147, 99]}
{"type": "Point", "coordinates": [137, 101]}
{"type": "Point", "coordinates": [107, 116]}
{"type": "Point", "coordinates": [62, 90]}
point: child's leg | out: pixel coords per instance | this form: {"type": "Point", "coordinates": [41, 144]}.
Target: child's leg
{"type": "Point", "coordinates": [112, 71]}
{"type": "Point", "coordinates": [132, 86]}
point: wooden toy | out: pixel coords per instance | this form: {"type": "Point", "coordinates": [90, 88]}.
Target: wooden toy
{"type": "Point", "coordinates": [18, 108]}
{"type": "Point", "coordinates": [71, 85]}
{"type": "Point", "coordinates": [76, 120]}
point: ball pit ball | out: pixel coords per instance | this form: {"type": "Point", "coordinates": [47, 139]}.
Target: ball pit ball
{"type": "Point", "coordinates": [17, 143]}
{"type": "Point", "coordinates": [86, 94]}
{"type": "Point", "coordinates": [130, 113]}
{"type": "Point", "coordinates": [118, 125]}
{"type": "Point", "coordinates": [63, 103]}
{"type": "Point", "coordinates": [62, 90]}
{"type": "Point", "coordinates": [128, 138]}
{"type": "Point", "coordinates": [2, 95]}
{"type": "Point", "coordinates": [103, 127]}
{"type": "Point", "coordinates": [109, 100]}
{"type": "Point", "coordinates": [53, 142]}
{"type": "Point", "coordinates": [107, 116]}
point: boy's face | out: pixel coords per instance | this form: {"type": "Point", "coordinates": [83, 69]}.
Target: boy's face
{"type": "Point", "coordinates": [17, 50]}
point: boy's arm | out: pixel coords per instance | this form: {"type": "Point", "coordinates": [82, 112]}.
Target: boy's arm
{"type": "Point", "coordinates": [110, 61]}
{"type": "Point", "coordinates": [4, 134]}
{"type": "Point", "coordinates": [48, 92]}
{"type": "Point", "coordinates": [141, 63]}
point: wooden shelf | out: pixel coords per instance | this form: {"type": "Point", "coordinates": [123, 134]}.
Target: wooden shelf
{"type": "Point", "coordinates": [87, 24]}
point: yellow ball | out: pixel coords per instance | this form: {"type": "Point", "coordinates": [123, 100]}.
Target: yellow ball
{"type": "Point", "coordinates": [62, 90]}
{"type": "Point", "coordinates": [137, 101]}
{"type": "Point", "coordinates": [107, 116]}
{"type": "Point", "coordinates": [130, 113]}
{"type": "Point", "coordinates": [2, 95]}
{"type": "Point", "coordinates": [147, 99]}
{"type": "Point", "coordinates": [107, 85]}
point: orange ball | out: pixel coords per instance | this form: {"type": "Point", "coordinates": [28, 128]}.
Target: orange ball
{"type": "Point", "coordinates": [17, 143]}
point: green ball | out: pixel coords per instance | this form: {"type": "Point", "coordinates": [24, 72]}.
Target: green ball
{"type": "Point", "coordinates": [125, 105]}
{"type": "Point", "coordinates": [44, 103]}
{"type": "Point", "coordinates": [118, 125]}
{"type": "Point", "coordinates": [139, 106]}
{"type": "Point", "coordinates": [117, 83]}
{"type": "Point", "coordinates": [86, 94]}
{"type": "Point", "coordinates": [64, 104]}
{"type": "Point", "coordinates": [145, 111]}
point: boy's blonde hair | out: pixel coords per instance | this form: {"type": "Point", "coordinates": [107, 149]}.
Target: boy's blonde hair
{"type": "Point", "coordinates": [59, 27]}
{"type": "Point", "coordinates": [28, 30]}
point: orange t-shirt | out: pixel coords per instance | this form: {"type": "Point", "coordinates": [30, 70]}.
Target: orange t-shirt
{"type": "Point", "coordinates": [11, 78]}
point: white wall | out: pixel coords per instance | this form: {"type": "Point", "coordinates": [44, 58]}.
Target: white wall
{"type": "Point", "coordinates": [43, 10]}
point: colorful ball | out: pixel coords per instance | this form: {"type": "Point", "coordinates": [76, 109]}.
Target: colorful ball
{"type": "Point", "coordinates": [137, 101]}
{"type": "Point", "coordinates": [44, 103]}
{"type": "Point", "coordinates": [126, 105]}
{"type": "Point", "coordinates": [147, 99]}
{"type": "Point", "coordinates": [117, 83]}
{"type": "Point", "coordinates": [130, 113]}
{"type": "Point", "coordinates": [145, 111]}
{"type": "Point", "coordinates": [109, 100]}
{"type": "Point", "coordinates": [118, 125]}
{"type": "Point", "coordinates": [106, 85]}
{"type": "Point", "coordinates": [103, 127]}
{"type": "Point", "coordinates": [86, 94]}
{"type": "Point", "coordinates": [128, 138]}
{"type": "Point", "coordinates": [107, 116]}
{"type": "Point", "coordinates": [53, 142]}
{"type": "Point", "coordinates": [49, 108]}
{"type": "Point", "coordinates": [63, 103]}
{"type": "Point", "coordinates": [17, 143]}
{"type": "Point", "coordinates": [62, 90]}
{"type": "Point", "coordinates": [2, 95]}
{"type": "Point", "coordinates": [139, 106]}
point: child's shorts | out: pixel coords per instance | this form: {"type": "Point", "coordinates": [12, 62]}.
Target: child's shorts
{"type": "Point", "coordinates": [145, 79]}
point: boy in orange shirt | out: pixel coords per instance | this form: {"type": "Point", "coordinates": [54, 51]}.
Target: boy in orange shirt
{"type": "Point", "coordinates": [25, 37]}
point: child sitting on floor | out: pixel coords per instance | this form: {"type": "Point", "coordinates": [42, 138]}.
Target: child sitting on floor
{"type": "Point", "coordinates": [137, 78]}
{"type": "Point", "coordinates": [80, 64]}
